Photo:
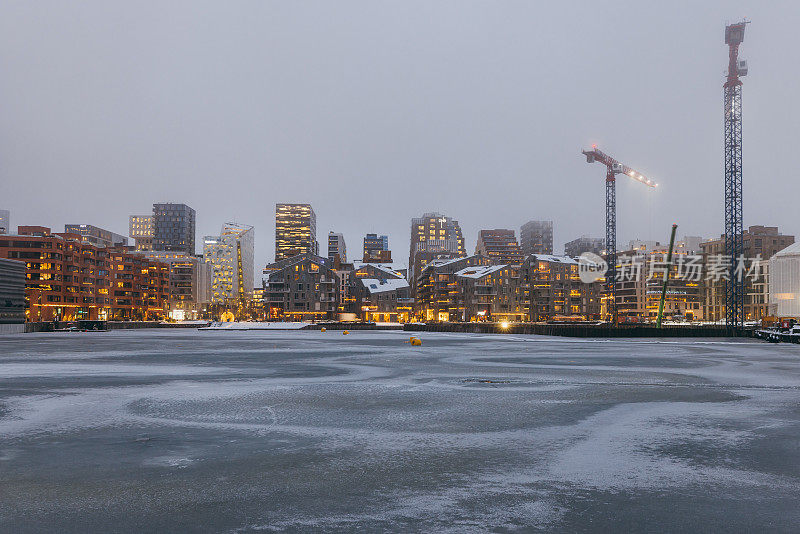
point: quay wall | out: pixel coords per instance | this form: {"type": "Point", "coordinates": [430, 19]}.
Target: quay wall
{"type": "Point", "coordinates": [579, 330]}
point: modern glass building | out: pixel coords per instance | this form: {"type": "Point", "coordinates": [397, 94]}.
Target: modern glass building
{"type": "Point", "coordinates": [230, 256]}
{"type": "Point", "coordinates": [173, 228]}
{"type": "Point", "coordinates": [295, 230]}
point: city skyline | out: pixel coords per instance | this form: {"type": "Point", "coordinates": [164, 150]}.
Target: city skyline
{"type": "Point", "coordinates": [327, 140]}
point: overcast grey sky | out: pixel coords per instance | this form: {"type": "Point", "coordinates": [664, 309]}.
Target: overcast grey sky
{"type": "Point", "coordinates": [376, 112]}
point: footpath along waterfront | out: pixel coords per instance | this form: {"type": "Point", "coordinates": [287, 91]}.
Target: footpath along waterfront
{"type": "Point", "coordinates": [168, 430]}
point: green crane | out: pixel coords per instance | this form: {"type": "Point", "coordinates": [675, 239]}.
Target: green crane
{"type": "Point", "coordinates": [666, 276]}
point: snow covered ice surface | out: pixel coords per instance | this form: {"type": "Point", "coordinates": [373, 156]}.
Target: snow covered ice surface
{"type": "Point", "coordinates": [249, 431]}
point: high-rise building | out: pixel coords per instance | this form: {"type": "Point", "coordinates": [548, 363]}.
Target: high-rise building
{"type": "Point", "coordinates": [336, 247]}
{"type": "Point", "coordinates": [576, 247]}
{"type": "Point", "coordinates": [5, 222]}
{"type": "Point", "coordinates": [140, 228]}
{"type": "Point", "coordinates": [376, 249]}
{"type": "Point", "coordinates": [188, 282]}
{"type": "Point", "coordinates": [295, 231]}
{"type": "Point", "coordinates": [230, 255]}
{"type": "Point", "coordinates": [375, 242]}
{"type": "Point", "coordinates": [96, 236]}
{"type": "Point", "coordinates": [433, 234]}
{"type": "Point", "coordinates": [500, 246]}
{"type": "Point", "coordinates": [173, 228]}
{"type": "Point", "coordinates": [536, 237]}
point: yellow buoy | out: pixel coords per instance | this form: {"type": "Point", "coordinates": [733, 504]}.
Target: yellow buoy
{"type": "Point", "coordinates": [416, 342]}
{"type": "Point", "coordinates": [345, 333]}
{"type": "Point", "coordinates": [323, 329]}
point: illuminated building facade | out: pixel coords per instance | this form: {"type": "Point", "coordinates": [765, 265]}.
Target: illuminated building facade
{"type": "Point", "coordinates": [173, 228]}
{"type": "Point", "coordinates": [230, 257]}
{"type": "Point", "coordinates": [295, 231]}
{"type": "Point", "coordinates": [552, 289]}
{"type": "Point", "coordinates": [536, 237]}
{"type": "Point", "coordinates": [763, 241]}
{"type": "Point", "coordinates": [301, 288]}
{"type": "Point", "coordinates": [490, 293]}
{"type": "Point", "coordinates": [500, 246]}
{"type": "Point", "coordinates": [140, 229]}
{"type": "Point", "coordinates": [431, 235]}
{"type": "Point", "coordinates": [67, 278]}
{"type": "Point", "coordinates": [189, 277]}
{"type": "Point", "coordinates": [438, 296]}
{"type": "Point", "coordinates": [96, 236]}
{"type": "Point", "coordinates": [337, 247]}
{"type": "Point", "coordinates": [380, 294]}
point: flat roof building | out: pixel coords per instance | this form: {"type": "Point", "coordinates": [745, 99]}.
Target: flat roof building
{"type": "Point", "coordinates": [95, 235]}
{"type": "Point", "coordinates": [173, 228]}
{"type": "Point", "coordinates": [536, 237]}
{"type": "Point", "coordinates": [295, 231]}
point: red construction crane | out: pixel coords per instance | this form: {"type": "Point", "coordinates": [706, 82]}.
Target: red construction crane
{"type": "Point", "coordinates": [613, 167]}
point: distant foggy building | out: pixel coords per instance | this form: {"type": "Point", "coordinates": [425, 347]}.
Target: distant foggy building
{"type": "Point", "coordinates": [96, 236]}
{"type": "Point", "coordinates": [576, 247]}
{"type": "Point", "coordinates": [536, 237]}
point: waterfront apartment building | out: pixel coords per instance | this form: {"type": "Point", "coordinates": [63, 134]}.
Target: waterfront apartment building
{"type": "Point", "coordinates": [295, 231]}
{"type": "Point", "coordinates": [490, 293]}
{"type": "Point", "coordinates": [433, 235]}
{"type": "Point", "coordinates": [140, 229]}
{"type": "Point", "coordinates": [337, 247]}
{"type": "Point", "coordinates": [437, 296]}
{"type": "Point", "coordinates": [189, 281]}
{"type": "Point", "coordinates": [500, 246]}
{"type": "Point", "coordinates": [552, 289]}
{"type": "Point", "coordinates": [576, 247]}
{"type": "Point", "coordinates": [5, 222]}
{"type": "Point", "coordinates": [536, 237]}
{"type": "Point", "coordinates": [12, 296]}
{"type": "Point", "coordinates": [96, 236]}
{"type": "Point", "coordinates": [173, 228]}
{"type": "Point", "coordinates": [67, 278]}
{"type": "Point", "coordinates": [640, 279]}
{"type": "Point", "coordinates": [380, 294]}
{"type": "Point", "coordinates": [763, 241]}
{"type": "Point", "coordinates": [230, 256]}
{"type": "Point", "coordinates": [302, 287]}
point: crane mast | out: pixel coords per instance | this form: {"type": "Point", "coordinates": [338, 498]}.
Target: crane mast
{"type": "Point", "coordinates": [613, 167]}
{"type": "Point", "coordinates": [734, 285]}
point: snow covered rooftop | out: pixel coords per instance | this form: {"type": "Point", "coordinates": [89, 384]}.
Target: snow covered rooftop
{"type": "Point", "coordinates": [791, 250]}
{"type": "Point", "coordinates": [555, 259]}
{"type": "Point", "coordinates": [374, 285]}
{"type": "Point", "coordinates": [387, 268]}
{"type": "Point", "coordinates": [479, 271]}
